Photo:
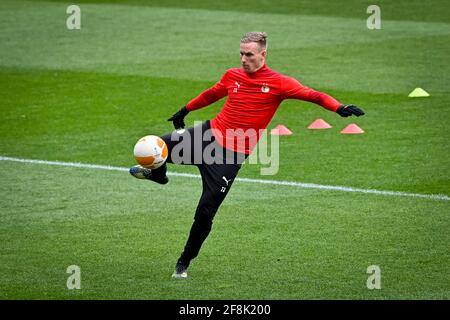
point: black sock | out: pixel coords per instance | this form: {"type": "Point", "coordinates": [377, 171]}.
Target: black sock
{"type": "Point", "coordinates": [160, 172]}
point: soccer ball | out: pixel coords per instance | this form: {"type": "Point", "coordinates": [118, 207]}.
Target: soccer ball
{"type": "Point", "coordinates": [150, 152]}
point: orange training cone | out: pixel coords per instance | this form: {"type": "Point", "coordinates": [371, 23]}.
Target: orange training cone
{"type": "Point", "coordinates": [352, 129]}
{"type": "Point", "coordinates": [319, 124]}
{"type": "Point", "coordinates": [280, 130]}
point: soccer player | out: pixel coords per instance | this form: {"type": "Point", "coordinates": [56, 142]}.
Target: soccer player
{"type": "Point", "coordinates": [254, 93]}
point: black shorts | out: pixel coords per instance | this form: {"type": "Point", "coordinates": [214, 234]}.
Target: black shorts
{"type": "Point", "coordinates": [218, 166]}
{"type": "Point", "coordinates": [198, 146]}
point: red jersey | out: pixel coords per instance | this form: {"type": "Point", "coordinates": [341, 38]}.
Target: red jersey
{"type": "Point", "coordinates": [252, 101]}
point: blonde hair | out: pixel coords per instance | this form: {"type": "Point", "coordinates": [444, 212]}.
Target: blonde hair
{"type": "Point", "coordinates": [258, 37]}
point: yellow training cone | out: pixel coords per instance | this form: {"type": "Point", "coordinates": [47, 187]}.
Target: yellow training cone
{"type": "Point", "coordinates": [418, 92]}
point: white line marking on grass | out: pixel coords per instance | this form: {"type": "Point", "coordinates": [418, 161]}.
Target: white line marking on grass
{"type": "Point", "coordinates": [260, 181]}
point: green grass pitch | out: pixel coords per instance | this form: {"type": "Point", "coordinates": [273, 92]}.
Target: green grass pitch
{"type": "Point", "coordinates": [87, 95]}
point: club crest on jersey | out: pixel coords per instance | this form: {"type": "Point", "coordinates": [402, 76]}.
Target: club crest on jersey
{"type": "Point", "coordinates": [265, 88]}
{"type": "Point", "coordinates": [237, 86]}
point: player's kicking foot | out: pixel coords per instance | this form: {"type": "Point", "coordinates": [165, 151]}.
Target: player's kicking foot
{"type": "Point", "coordinates": [143, 173]}
{"type": "Point", "coordinates": [180, 271]}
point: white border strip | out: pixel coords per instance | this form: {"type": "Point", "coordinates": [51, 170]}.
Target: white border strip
{"type": "Point", "coordinates": [260, 181]}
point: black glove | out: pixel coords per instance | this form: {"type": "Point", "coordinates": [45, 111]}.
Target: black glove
{"type": "Point", "coordinates": [178, 118]}
{"type": "Point", "coordinates": [348, 110]}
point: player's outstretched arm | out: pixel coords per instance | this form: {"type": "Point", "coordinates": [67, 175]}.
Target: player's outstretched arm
{"type": "Point", "coordinates": [292, 89]}
{"type": "Point", "coordinates": [207, 97]}
{"type": "Point", "coordinates": [349, 110]}
{"type": "Point", "coordinates": [178, 118]}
